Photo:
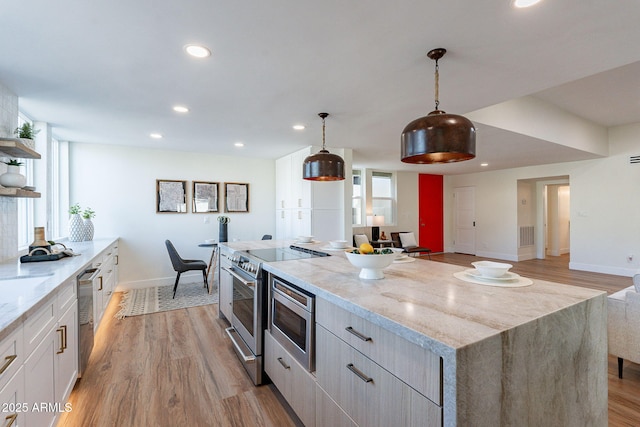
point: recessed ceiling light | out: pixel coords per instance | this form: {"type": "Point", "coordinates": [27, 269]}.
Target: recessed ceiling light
{"type": "Point", "coordinates": [180, 109]}
{"type": "Point", "coordinates": [155, 135]}
{"type": "Point", "coordinates": [239, 144]}
{"type": "Point", "coordinates": [484, 164]}
{"type": "Point", "coordinates": [525, 3]}
{"type": "Point", "coordinates": [198, 51]}
{"type": "Point", "coordinates": [298, 127]}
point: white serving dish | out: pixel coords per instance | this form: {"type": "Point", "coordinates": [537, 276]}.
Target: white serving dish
{"type": "Point", "coordinates": [338, 244]}
{"type": "Point", "coordinates": [371, 265]}
{"type": "Point", "coordinates": [399, 253]}
{"type": "Point", "coordinates": [491, 268]}
{"type": "Point", "coordinates": [305, 239]}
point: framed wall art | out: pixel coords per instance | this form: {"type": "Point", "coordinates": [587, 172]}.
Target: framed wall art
{"type": "Point", "coordinates": [171, 196]}
{"type": "Point", "coordinates": [204, 197]}
{"type": "Point", "coordinates": [236, 197]}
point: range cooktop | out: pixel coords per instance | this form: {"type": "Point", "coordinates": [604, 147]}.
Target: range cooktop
{"type": "Point", "coordinates": [285, 253]}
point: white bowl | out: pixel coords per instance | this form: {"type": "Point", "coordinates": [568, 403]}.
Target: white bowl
{"type": "Point", "coordinates": [210, 241]}
{"type": "Point", "coordinates": [491, 268]}
{"type": "Point", "coordinates": [305, 239]}
{"type": "Point", "coordinates": [338, 244]}
{"type": "Point", "coordinates": [399, 252]}
{"type": "Point", "coordinates": [371, 265]}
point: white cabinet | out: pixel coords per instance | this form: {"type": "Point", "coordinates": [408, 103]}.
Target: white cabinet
{"type": "Point", "coordinates": [307, 207]}
{"type": "Point", "coordinates": [67, 355]}
{"type": "Point", "coordinates": [12, 400]}
{"type": "Point", "coordinates": [105, 283]}
{"type": "Point", "coordinates": [376, 377]}
{"type": "Point", "coordinates": [293, 381]}
{"type": "Point", "coordinates": [225, 285]}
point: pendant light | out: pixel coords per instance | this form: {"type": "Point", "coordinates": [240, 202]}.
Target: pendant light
{"type": "Point", "coordinates": [438, 137]}
{"type": "Point", "coordinates": [323, 166]}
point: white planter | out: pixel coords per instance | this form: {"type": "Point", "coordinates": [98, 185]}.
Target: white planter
{"type": "Point", "coordinates": [76, 228]}
{"type": "Point", "coordinates": [88, 230]}
{"type": "Point", "coordinates": [13, 178]}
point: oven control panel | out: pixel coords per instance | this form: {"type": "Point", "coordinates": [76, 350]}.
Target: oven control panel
{"type": "Point", "coordinates": [250, 266]}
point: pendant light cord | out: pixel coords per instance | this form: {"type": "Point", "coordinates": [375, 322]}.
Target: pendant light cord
{"type": "Point", "coordinates": [437, 84]}
{"type": "Point", "coordinates": [323, 133]}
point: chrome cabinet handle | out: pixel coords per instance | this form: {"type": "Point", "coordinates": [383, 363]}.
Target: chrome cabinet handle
{"type": "Point", "coordinates": [359, 373]}
{"type": "Point", "coordinates": [284, 365]}
{"type": "Point", "coordinates": [357, 334]}
{"type": "Point", "coordinates": [8, 361]}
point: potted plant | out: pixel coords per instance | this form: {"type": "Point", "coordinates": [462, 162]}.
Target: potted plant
{"type": "Point", "coordinates": [13, 178]}
{"type": "Point", "coordinates": [76, 226]}
{"type": "Point", "coordinates": [26, 131]}
{"type": "Point", "coordinates": [87, 214]}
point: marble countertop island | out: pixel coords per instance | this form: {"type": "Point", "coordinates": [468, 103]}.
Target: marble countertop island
{"type": "Point", "coordinates": [511, 356]}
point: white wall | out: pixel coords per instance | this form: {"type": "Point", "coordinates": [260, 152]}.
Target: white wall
{"type": "Point", "coordinates": [119, 183]}
{"type": "Point", "coordinates": [604, 206]}
{"type": "Point", "coordinates": [8, 206]}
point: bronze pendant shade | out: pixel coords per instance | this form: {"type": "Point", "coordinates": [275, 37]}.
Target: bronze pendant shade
{"type": "Point", "coordinates": [438, 137]}
{"type": "Point", "coordinates": [323, 166]}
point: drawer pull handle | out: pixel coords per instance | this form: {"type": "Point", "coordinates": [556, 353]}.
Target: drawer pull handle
{"type": "Point", "coordinates": [63, 338]}
{"type": "Point", "coordinates": [11, 418]}
{"type": "Point", "coordinates": [8, 361]}
{"type": "Point", "coordinates": [284, 365]}
{"type": "Point", "coordinates": [357, 334]}
{"type": "Point", "coordinates": [117, 259]}
{"type": "Point", "coordinates": [359, 373]}
{"type": "Point", "coordinates": [100, 288]}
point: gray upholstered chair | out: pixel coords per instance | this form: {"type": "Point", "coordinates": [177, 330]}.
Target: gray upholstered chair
{"type": "Point", "coordinates": [181, 265]}
{"type": "Point", "coordinates": [623, 326]}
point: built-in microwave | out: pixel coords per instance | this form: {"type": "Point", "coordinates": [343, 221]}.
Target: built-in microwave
{"type": "Point", "coordinates": [292, 320]}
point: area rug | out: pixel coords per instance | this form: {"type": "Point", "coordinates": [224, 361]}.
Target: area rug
{"type": "Point", "coordinates": [160, 298]}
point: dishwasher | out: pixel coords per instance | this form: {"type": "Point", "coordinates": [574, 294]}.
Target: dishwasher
{"type": "Point", "coordinates": [85, 316]}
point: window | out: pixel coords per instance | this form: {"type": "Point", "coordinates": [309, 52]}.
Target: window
{"type": "Point", "coordinates": [383, 195]}
{"type": "Point", "coordinates": [358, 198]}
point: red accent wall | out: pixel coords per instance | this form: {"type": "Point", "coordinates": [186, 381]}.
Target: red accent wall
{"type": "Point", "coordinates": [430, 215]}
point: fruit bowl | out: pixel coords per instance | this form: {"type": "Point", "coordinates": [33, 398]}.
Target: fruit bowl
{"type": "Point", "coordinates": [371, 265]}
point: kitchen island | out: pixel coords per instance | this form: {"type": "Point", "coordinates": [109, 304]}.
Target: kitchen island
{"type": "Point", "coordinates": [534, 355]}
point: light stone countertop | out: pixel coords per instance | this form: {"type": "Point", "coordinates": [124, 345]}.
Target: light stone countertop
{"type": "Point", "coordinates": [422, 301]}
{"type": "Point", "coordinates": [17, 304]}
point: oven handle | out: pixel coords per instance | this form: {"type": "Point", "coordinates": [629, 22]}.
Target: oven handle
{"type": "Point", "coordinates": [247, 359]}
{"type": "Point", "coordinates": [250, 283]}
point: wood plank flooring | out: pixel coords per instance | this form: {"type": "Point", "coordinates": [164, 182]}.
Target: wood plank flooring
{"type": "Point", "coordinates": [176, 368]}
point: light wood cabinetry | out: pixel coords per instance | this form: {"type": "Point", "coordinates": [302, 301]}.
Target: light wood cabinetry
{"type": "Point", "coordinates": [328, 413]}
{"type": "Point", "coordinates": [14, 147]}
{"type": "Point", "coordinates": [293, 381]}
{"type": "Point", "coordinates": [225, 285]}
{"type": "Point", "coordinates": [376, 377]}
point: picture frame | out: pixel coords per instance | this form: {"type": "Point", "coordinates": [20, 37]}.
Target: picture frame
{"type": "Point", "coordinates": [236, 197]}
{"type": "Point", "coordinates": [204, 197]}
{"type": "Point", "coordinates": [171, 196]}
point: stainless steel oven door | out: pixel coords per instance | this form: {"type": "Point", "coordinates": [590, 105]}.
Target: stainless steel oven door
{"type": "Point", "coordinates": [246, 309]}
{"type": "Point", "coordinates": [292, 322]}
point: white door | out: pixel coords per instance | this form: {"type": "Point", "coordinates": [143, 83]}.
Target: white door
{"type": "Point", "coordinates": [464, 239]}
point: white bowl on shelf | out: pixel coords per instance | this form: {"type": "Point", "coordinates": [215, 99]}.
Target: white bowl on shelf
{"type": "Point", "coordinates": [371, 265]}
{"type": "Point", "coordinates": [305, 239]}
{"type": "Point", "coordinates": [491, 268]}
{"type": "Point", "coordinates": [338, 244]}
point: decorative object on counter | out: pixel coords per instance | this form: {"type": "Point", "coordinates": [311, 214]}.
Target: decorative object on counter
{"type": "Point", "coordinates": [204, 197]}
{"type": "Point", "coordinates": [383, 236]}
{"type": "Point", "coordinates": [39, 240]}
{"type": "Point", "coordinates": [88, 228]}
{"type": "Point", "coordinates": [236, 197]}
{"type": "Point", "coordinates": [323, 166]}
{"type": "Point", "coordinates": [13, 178]}
{"type": "Point", "coordinates": [222, 228]}
{"type": "Point", "coordinates": [371, 263]}
{"type": "Point", "coordinates": [76, 225]}
{"type": "Point", "coordinates": [136, 302]}
{"type": "Point", "coordinates": [438, 137]}
{"type": "Point", "coordinates": [171, 196]}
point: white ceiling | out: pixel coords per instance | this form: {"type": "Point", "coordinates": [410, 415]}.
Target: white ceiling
{"type": "Point", "coordinates": [110, 71]}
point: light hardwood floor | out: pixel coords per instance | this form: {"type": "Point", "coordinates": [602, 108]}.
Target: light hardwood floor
{"type": "Point", "coordinates": [177, 369]}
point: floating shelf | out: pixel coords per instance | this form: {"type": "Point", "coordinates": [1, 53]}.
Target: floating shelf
{"type": "Point", "coordinates": [18, 192]}
{"type": "Point", "coordinates": [14, 147]}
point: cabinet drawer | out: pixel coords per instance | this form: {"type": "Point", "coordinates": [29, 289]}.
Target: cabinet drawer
{"type": "Point", "coordinates": [368, 393]}
{"type": "Point", "coordinates": [67, 295]}
{"type": "Point", "coordinates": [328, 413]}
{"type": "Point", "coordinates": [12, 401]}
{"type": "Point", "coordinates": [416, 366]}
{"type": "Point", "coordinates": [296, 385]}
{"type": "Point", "coordinates": [11, 355]}
{"type": "Point", "coordinates": [38, 325]}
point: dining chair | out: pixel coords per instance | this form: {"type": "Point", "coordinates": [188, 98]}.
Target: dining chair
{"type": "Point", "coordinates": [359, 239]}
{"type": "Point", "coordinates": [181, 265]}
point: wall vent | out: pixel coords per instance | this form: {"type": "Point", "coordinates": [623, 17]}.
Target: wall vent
{"type": "Point", "coordinates": [634, 160]}
{"type": "Point", "coordinates": [527, 236]}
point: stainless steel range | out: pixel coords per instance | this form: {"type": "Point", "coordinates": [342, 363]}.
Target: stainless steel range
{"type": "Point", "coordinates": [249, 306]}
